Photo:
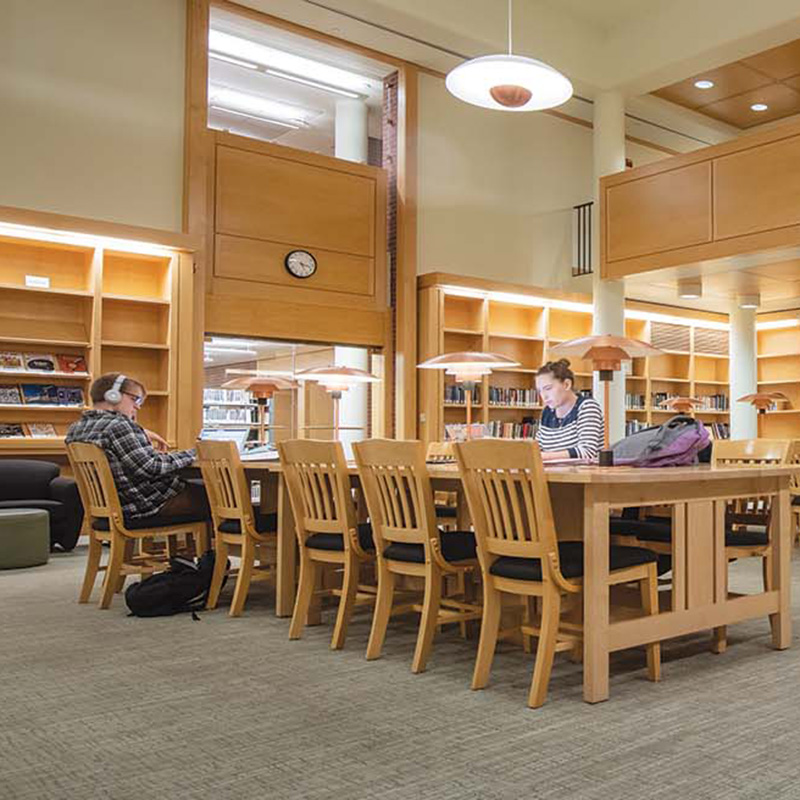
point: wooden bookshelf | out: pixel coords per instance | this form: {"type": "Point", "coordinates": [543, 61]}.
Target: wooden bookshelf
{"type": "Point", "coordinates": [111, 301]}
{"type": "Point", "coordinates": [779, 371]}
{"type": "Point", "coordinates": [695, 361]}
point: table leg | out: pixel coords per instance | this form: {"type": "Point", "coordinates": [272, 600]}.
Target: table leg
{"type": "Point", "coordinates": [781, 567]}
{"type": "Point", "coordinates": [287, 555]}
{"type": "Point", "coordinates": [595, 596]}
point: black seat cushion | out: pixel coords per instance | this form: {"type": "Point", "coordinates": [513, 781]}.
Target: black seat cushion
{"type": "Point", "coordinates": [446, 512]}
{"type": "Point", "coordinates": [570, 555]}
{"type": "Point", "coordinates": [456, 546]}
{"type": "Point", "coordinates": [57, 511]}
{"type": "Point", "coordinates": [154, 521]}
{"type": "Point", "coordinates": [796, 500]}
{"type": "Point", "coordinates": [651, 529]}
{"type": "Point", "coordinates": [333, 541]}
{"type": "Point", "coordinates": [268, 523]}
{"type": "Point", "coordinates": [751, 536]}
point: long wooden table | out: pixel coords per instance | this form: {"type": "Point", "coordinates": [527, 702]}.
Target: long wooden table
{"type": "Point", "coordinates": [582, 497]}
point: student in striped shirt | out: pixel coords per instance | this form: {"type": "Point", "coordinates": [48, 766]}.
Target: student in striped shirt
{"type": "Point", "coordinates": [571, 424]}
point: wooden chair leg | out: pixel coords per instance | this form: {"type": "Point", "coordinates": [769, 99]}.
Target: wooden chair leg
{"type": "Point", "coordinates": [383, 610]}
{"type": "Point", "coordinates": [305, 592]}
{"type": "Point", "coordinates": [113, 570]}
{"type": "Point", "coordinates": [545, 651]}
{"type": "Point", "coordinates": [347, 602]}
{"type": "Point", "coordinates": [719, 635]}
{"type": "Point", "coordinates": [218, 576]}
{"type": "Point", "coordinates": [428, 620]}
{"type": "Point", "coordinates": [127, 558]}
{"type": "Point", "coordinates": [766, 571]}
{"type": "Point", "coordinates": [490, 627]}
{"type": "Point", "coordinates": [528, 618]}
{"type": "Point", "coordinates": [92, 568]}
{"type": "Point", "coordinates": [248, 559]}
{"type": "Point", "coordinates": [649, 590]}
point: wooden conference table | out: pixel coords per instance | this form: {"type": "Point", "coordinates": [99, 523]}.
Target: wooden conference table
{"type": "Point", "coordinates": [582, 497]}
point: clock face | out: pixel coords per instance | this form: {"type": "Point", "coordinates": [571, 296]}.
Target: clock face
{"type": "Point", "coordinates": [301, 264]}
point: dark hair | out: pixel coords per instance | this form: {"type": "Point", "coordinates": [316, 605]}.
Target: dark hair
{"type": "Point", "coordinates": [558, 369]}
{"type": "Point", "coordinates": [102, 384]}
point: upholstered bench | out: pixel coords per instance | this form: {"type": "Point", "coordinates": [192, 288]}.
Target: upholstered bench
{"type": "Point", "coordinates": [24, 537]}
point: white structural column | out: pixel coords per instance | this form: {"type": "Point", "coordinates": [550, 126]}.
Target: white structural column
{"type": "Point", "coordinates": [743, 372]}
{"type": "Point", "coordinates": [353, 407]}
{"type": "Point", "coordinates": [609, 296]}
{"type": "Point", "coordinates": [351, 138]}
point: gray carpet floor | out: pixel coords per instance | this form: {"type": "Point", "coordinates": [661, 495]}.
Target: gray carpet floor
{"type": "Point", "coordinates": [101, 705]}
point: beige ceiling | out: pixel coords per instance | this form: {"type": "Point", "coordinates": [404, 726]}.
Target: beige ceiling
{"type": "Point", "coordinates": [771, 77]}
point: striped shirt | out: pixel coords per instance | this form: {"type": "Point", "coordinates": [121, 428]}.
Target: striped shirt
{"type": "Point", "coordinates": [580, 432]}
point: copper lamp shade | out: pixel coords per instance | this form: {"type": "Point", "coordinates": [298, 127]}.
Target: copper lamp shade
{"type": "Point", "coordinates": [262, 385]}
{"type": "Point", "coordinates": [682, 405]}
{"type": "Point", "coordinates": [468, 366]}
{"type": "Point", "coordinates": [604, 351]}
{"type": "Point", "coordinates": [763, 400]}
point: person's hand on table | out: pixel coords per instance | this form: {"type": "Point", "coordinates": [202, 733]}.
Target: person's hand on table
{"type": "Point", "coordinates": [157, 442]}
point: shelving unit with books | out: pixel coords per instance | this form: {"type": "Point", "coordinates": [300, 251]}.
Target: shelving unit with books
{"type": "Point", "coordinates": [80, 298]}
{"type": "Point", "coordinates": [778, 347]}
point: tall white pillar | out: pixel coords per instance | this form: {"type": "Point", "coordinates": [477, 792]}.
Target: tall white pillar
{"type": "Point", "coordinates": [351, 136]}
{"type": "Point", "coordinates": [353, 407]}
{"type": "Point", "coordinates": [743, 372]}
{"type": "Point", "coordinates": [609, 296]}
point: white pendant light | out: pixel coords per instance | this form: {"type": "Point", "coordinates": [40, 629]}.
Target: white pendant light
{"type": "Point", "coordinates": [506, 82]}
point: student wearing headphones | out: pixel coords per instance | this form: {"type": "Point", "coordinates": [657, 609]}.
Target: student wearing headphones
{"type": "Point", "coordinates": [145, 474]}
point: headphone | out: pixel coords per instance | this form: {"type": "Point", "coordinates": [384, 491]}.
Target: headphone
{"type": "Point", "coordinates": [114, 394]}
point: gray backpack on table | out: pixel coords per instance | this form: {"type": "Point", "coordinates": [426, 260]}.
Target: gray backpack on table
{"type": "Point", "coordinates": [676, 443]}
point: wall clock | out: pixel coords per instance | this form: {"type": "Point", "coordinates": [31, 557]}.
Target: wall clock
{"type": "Point", "coordinates": [300, 263]}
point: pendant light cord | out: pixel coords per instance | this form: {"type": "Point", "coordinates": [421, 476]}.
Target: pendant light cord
{"type": "Point", "coordinates": [510, 11]}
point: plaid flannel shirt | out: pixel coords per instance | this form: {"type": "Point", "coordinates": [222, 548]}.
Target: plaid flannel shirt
{"type": "Point", "coordinates": [145, 478]}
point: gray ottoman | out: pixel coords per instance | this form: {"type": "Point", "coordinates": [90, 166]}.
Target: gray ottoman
{"type": "Point", "coordinates": [24, 537]}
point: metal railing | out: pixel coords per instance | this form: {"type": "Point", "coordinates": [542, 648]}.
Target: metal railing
{"type": "Point", "coordinates": [582, 240]}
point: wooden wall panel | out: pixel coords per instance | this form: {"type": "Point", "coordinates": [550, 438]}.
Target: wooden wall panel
{"type": "Point", "coordinates": [261, 196]}
{"type": "Point", "coordinates": [661, 212]}
{"type": "Point", "coordinates": [757, 190]}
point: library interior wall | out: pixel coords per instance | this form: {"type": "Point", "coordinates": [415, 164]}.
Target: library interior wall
{"type": "Point", "coordinates": [496, 190]}
{"type": "Point", "coordinates": [92, 93]}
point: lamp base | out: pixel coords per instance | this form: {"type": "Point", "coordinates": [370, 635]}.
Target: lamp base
{"type": "Point", "coordinates": [605, 458]}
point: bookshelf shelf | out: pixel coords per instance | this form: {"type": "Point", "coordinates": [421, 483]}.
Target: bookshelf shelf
{"type": "Point", "coordinates": [128, 298]}
{"type": "Point", "coordinates": [54, 343]}
{"type": "Point", "coordinates": [12, 287]}
{"type": "Point", "coordinates": [463, 331]}
{"type": "Point", "coordinates": [38, 376]}
{"type": "Point", "coordinates": [40, 407]}
{"type": "Point", "coordinates": [136, 345]}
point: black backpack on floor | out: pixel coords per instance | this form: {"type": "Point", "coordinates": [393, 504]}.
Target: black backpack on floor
{"type": "Point", "coordinates": [182, 588]}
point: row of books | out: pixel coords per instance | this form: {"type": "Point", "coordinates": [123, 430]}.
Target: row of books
{"type": "Point", "coordinates": [223, 414]}
{"type": "Point", "coordinates": [455, 393]}
{"type": "Point", "coordinates": [41, 394]}
{"type": "Point", "coordinates": [635, 401]}
{"type": "Point", "coordinates": [719, 430]}
{"type": "Point", "coordinates": [499, 396]}
{"type": "Point", "coordinates": [715, 402]}
{"type": "Point", "coordinates": [634, 426]}
{"type": "Point", "coordinates": [512, 430]}
{"type": "Point", "coordinates": [18, 430]}
{"type": "Point", "coordinates": [41, 362]}
{"type": "Point", "coordinates": [226, 396]}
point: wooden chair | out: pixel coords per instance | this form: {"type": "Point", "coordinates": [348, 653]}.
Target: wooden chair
{"type": "Point", "coordinates": [747, 519]}
{"type": "Point", "coordinates": [327, 530]}
{"type": "Point", "coordinates": [104, 513]}
{"type": "Point", "coordinates": [509, 502]}
{"type": "Point", "coordinates": [794, 458]}
{"type": "Point", "coordinates": [238, 530]}
{"type": "Point", "coordinates": [395, 480]}
{"type": "Point", "coordinates": [447, 503]}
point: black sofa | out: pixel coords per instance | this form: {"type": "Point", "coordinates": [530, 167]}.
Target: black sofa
{"type": "Point", "coordinates": [26, 483]}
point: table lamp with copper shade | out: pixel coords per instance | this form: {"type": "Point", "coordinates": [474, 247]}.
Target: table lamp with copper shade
{"type": "Point", "coordinates": [468, 369]}
{"type": "Point", "coordinates": [336, 380]}
{"type": "Point", "coordinates": [262, 385]}
{"type": "Point", "coordinates": [681, 404]}
{"type": "Point", "coordinates": [606, 353]}
{"type": "Point", "coordinates": [763, 400]}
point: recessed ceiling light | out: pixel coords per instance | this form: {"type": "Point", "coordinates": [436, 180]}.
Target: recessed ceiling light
{"type": "Point", "coordinates": [749, 300]}
{"type": "Point", "coordinates": [759, 107]}
{"type": "Point", "coordinates": [704, 84]}
{"type": "Point", "coordinates": [690, 288]}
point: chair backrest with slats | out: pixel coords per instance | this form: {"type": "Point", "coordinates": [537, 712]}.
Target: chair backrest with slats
{"type": "Point", "coordinates": [395, 481]}
{"type": "Point", "coordinates": [319, 487]}
{"type": "Point", "coordinates": [750, 453]}
{"type": "Point", "coordinates": [96, 485]}
{"type": "Point", "coordinates": [508, 500]}
{"type": "Point", "coordinates": [794, 458]}
{"type": "Point", "coordinates": [226, 485]}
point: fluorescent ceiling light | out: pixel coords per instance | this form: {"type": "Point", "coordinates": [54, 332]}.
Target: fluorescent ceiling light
{"type": "Point", "coordinates": [232, 99]}
{"type": "Point", "coordinates": [704, 84]}
{"type": "Point", "coordinates": [690, 288]}
{"type": "Point", "coordinates": [749, 300]}
{"type": "Point", "coordinates": [777, 324]}
{"type": "Point", "coordinates": [271, 58]}
{"type": "Point", "coordinates": [230, 351]}
{"type": "Point", "coordinates": [257, 117]}
{"type": "Point", "coordinates": [231, 60]}
{"type": "Point", "coordinates": [654, 316]}
{"type": "Point", "coordinates": [308, 82]}
{"type": "Point", "coordinates": [759, 107]}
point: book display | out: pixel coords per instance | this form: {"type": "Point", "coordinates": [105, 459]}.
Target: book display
{"type": "Point", "coordinates": [73, 306]}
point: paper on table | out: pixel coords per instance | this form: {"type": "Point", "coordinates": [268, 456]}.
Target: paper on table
{"type": "Point", "coordinates": [552, 462]}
